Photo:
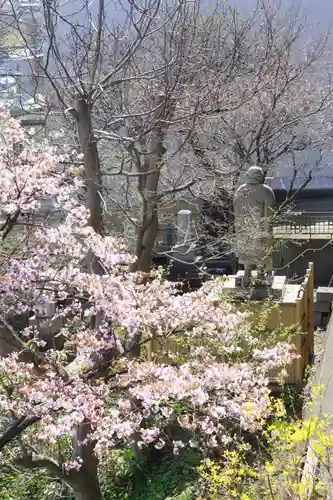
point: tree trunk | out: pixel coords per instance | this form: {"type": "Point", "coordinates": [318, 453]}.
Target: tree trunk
{"type": "Point", "coordinates": [85, 482]}
{"type": "Point", "coordinates": [146, 243]}
{"type": "Point", "coordinates": [148, 189]}
{"type": "Point", "coordinates": [89, 491]}
{"type": "Point", "coordinates": [148, 183]}
{"type": "Point", "coordinates": [92, 171]}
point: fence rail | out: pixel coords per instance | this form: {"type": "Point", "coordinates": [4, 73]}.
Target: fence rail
{"type": "Point", "coordinates": [306, 223]}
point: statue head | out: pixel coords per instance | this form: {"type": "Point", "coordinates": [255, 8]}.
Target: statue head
{"type": "Point", "coordinates": [254, 175]}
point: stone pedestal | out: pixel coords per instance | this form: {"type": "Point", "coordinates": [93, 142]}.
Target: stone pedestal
{"type": "Point", "coordinates": [183, 255]}
{"type": "Point", "coordinates": [130, 233]}
{"type": "Point", "coordinates": [259, 289]}
{"type": "Point", "coordinates": [323, 299]}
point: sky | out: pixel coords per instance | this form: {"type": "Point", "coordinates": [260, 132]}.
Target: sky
{"type": "Point", "coordinates": [320, 19]}
{"type": "Point", "coordinates": [320, 12]}
{"type": "Point", "coordinates": [319, 16]}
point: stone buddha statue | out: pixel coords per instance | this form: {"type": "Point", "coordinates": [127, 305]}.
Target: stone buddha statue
{"type": "Point", "coordinates": [254, 205]}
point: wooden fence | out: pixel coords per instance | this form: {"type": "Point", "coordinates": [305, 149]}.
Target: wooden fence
{"type": "Point", "coordinates": [298, 315]}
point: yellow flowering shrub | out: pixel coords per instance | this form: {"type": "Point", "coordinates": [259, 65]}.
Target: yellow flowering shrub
{"type": "Point", "coordinates": [285, 463]}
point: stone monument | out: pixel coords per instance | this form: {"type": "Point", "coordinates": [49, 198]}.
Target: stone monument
{"type": "Point", "coordinates": [184, 254]}
{"type": "Point", "coordinates": [184, 224]}
{"type": "Point", "coordinates": [254, 205]}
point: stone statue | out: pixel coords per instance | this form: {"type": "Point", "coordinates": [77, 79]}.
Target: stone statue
{"type": "Point", "coordinates": [254, 204]}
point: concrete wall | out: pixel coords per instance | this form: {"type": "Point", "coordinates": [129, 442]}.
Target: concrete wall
{"type": "Point", "coordinates": [324, 204]}
{"type": "Point", "coordinates": [292, 259]}
{"type": "Point", "coordinates": [295, 255]}
{"type": "Point", "coordinates": [315, 204]}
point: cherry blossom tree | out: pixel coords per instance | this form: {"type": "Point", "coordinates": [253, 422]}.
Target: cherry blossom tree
{"type": "Point", "coordinates": [68, 404]}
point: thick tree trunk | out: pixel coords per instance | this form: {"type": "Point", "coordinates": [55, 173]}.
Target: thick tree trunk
{"type": "Point", "coordinates": [148, 188]}
{"type": "Point", "coordinates": [148, 182]}
{"type": "Point", "coordinates": [85, 482]}
{"type": "Point", "coordinates": [89, 491]}
{"type": "Point", "coordinates": [145, 243]}
{"type": "Point", "coordinates": [93, 177]}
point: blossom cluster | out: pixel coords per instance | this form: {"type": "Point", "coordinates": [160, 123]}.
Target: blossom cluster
{"type": "Point", "coordinates": [93, 378]}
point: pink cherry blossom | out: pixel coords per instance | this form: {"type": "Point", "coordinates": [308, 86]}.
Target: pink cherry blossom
{"type": "Point", "coordinates": [217, 390]}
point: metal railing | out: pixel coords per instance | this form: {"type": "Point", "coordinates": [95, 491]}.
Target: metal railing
{"type": "Point", "coordinates": [307, 223]}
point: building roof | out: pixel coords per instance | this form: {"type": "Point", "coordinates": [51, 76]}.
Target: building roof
{"type": "Point", "coordinates": [318, 182]}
